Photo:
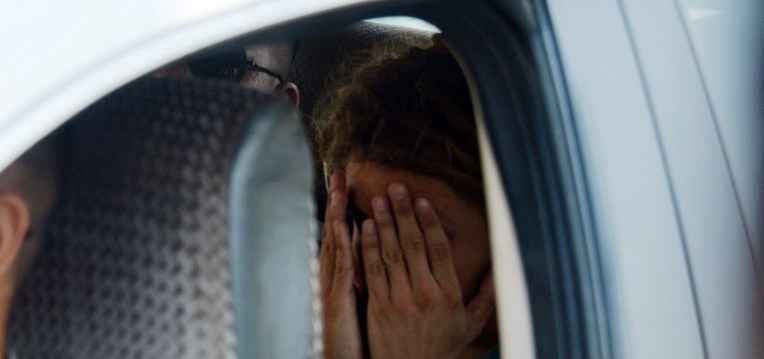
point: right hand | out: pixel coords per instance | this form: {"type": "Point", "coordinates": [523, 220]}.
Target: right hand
{"type": "Point", "coordinates": [415, 307]}
{"type": "Point", "coordinates": [342, 334]}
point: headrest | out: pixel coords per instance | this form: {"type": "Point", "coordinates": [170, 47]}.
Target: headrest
{"type": "Point", "coordinates": [135, 263]}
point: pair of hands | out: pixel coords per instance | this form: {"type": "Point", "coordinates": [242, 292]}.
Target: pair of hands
{"type": "Point", "coordinates": [415, 307]}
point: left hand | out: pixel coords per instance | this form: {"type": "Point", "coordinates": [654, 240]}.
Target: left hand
{"type": "Point", "coordinates": [341, 334]}
{"type": "Point", "coordinates": [415, 306]}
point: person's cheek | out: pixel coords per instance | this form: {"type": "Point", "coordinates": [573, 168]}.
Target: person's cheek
{"type": "Point", "coordinates": [468, 265]}
{"type": "Point", "coordinates": [457, 254]}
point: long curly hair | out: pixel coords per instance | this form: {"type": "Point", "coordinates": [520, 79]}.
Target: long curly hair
{"type": "Point", "coordinates": [410, 111]}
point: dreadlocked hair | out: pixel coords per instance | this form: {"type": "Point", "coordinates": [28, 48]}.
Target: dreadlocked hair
{"type": "Point", "coordinates": [411, 111]}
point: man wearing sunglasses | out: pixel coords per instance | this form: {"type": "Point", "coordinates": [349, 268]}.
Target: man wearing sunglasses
{"type": "Point", "coordinates": [264, 68]}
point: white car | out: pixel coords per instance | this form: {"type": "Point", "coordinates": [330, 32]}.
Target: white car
{"type": "Point", "coordinates": [621, 147]}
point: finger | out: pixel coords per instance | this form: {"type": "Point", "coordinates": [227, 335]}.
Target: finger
{"type": "Point", "coordinates": [338, 200]}
{"type": "Point", "coordinates": [374, 269]}
{"type": "Point", "coordinates": [343, 267]}
{"type": "Point", "coordinates": [327, 260]}
{"type": "Point", "coordinates": [335, 209]}
{"type": "Point", "coordinates": [438, 249]}
{"type": "Point", "coordinates": [409, 236]}
{"type": "Point", "coordinates": [391, 251]}
{"type": "Point", "coordinates": [481, 308]}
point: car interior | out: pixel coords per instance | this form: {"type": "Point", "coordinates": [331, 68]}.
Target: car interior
{"type": "Point", "coordinates": [136, 261]}
{"type": "Point", "coordinates": [160, 185]}
{"type": "Point", "coordinates": [167, 239]}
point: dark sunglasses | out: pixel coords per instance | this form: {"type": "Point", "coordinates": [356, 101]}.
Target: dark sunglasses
{"type": "Point", "coordinates": [228, 66]}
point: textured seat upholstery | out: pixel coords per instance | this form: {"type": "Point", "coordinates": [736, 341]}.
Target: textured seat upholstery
{"type": "Point", "coordinates": [136, 263]}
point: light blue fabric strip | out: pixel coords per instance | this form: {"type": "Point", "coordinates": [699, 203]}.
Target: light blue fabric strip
{"type": "Point", "coordinates": [271, 212]}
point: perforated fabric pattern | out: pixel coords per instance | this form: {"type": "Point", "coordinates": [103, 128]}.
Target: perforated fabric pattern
{"type": "Point", "coordinates": [136, 263]}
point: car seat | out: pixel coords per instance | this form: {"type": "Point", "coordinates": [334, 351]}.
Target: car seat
{"type": "Point", "coordinates": [136, 262]}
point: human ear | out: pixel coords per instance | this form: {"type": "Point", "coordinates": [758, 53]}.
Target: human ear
{"type": "Point", "coordinates": [290, 92]}
{"type": "Point", "coordinates": [14, 225]}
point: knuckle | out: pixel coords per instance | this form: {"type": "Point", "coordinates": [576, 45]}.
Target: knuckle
{"type": "Point", "coordinates": [384, 220]}
{"type": "Point", "coordinates": [376, 268]}
{"type": "Point", "coordinates": [391, 256]}
{"type": "Point", "coordinates": [428, 220]}
{"type": "Point", "coordinates": [427, 298]}
{"type": "Point", "coordinates": [439, 251]}
{"type": "Point", "coordinates": [368, 243]}
{"type": "Point", "coordinates": [340, 269]}
{"type": "Point", "coordinates": [412, 244]}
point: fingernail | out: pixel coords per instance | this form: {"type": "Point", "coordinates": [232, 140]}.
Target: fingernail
{"type": "Point", "coordinates": [380, 205]}
{"type": "Point", "coordinates": [397, 191]}
{"type": "Point", "coordinates": [422, 205]}
{"type": "Point", "coordinates": [368, 227]}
